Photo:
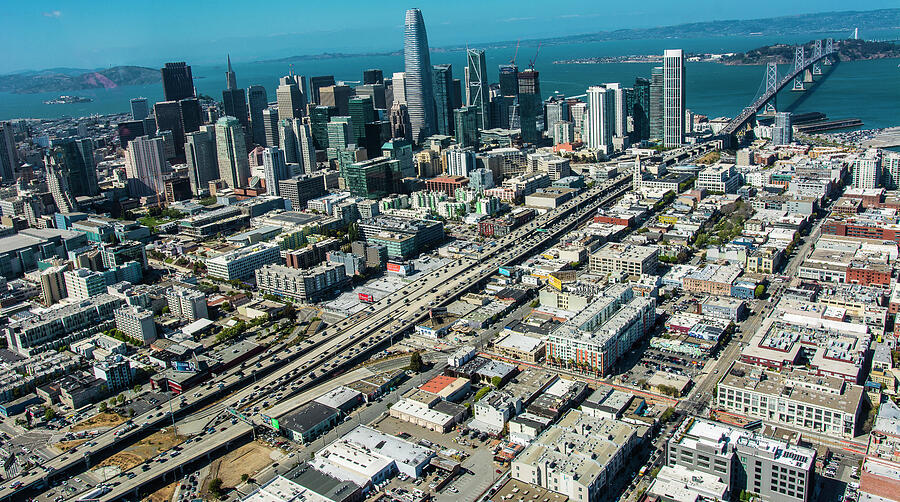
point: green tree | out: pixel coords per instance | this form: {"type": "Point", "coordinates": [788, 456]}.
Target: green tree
{"type": "Point", "coordinates": [103, 407]}
{"type": "Point", "coordinates": [215, 487]}
{"type": "Point", "coordinates": [120, 398]}
{"type": "Point", "coordinates": [415, 362]}
{"type": "Point", "coordinates": [137, 388]}
{"type": "Point", "coordinates": [112, 402]}
{"type": "Point", "coordinates": [481, 392]}
{"type": "Point", "coordinates": [130, 412]}
{"type": "Point", "coordinates": [496, 381]}
{"type": "Point", "coordinates": [49, 414]}
{"type": "Point", "coordinates": [245, 477]}
{"type": "Point", "coordinates": [759, 291]}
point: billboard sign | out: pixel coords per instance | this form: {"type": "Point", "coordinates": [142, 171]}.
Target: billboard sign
{"type": "Point", "coordinates": [555, 282]}
{"type": "Point", "coordinates": [184, 366]}
{"type": "Point", "coordinates": [504, 271]}
{"type": "Point", "coordinates": [366, 297]}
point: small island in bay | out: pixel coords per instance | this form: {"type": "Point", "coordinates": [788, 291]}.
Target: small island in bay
{"type": "Point", "coordinates": [66, 100]}
{"type": "Point", "coordinates": [845, 50]}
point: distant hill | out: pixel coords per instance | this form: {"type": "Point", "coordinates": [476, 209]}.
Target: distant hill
{"type": "Point", "coordinates": [71, 79]}
{"type": "Point", "coordinates": [825, 22]}
{"type": "Point", "coordinates": [784, 25]}
{"type": "Point", "coordinates": [847, 50]}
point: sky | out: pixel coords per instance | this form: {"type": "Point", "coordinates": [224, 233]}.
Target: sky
{"type": "Point", "coordinates": [39, 34]}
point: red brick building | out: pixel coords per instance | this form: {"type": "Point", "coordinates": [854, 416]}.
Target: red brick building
{"type": "Point", "coordinates": [446, 184]}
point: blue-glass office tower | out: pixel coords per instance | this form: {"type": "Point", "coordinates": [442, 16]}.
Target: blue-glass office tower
{"type": "Point", "coordinates": [443, 87]}
{"type": "Point", "coordinates": [419, 88]}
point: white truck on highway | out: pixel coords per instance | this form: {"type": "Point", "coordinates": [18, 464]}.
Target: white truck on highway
{"type": "Point", "coordinates": [95, 493]}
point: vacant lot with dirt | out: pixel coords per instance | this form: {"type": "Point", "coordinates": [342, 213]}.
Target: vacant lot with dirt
{"type": "Point", "coordinates": [144, 449]}
{"type": "Point", "coordinates": [248, 459]}
{"type": "Point", "coordinates": [99, 420]}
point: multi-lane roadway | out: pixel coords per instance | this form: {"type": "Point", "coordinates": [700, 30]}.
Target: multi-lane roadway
{"type": "Point", "coordinates": [291, 370]}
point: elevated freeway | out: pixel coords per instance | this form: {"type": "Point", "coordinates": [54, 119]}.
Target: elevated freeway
{"type": "Point", "coordinates": [354, 338]}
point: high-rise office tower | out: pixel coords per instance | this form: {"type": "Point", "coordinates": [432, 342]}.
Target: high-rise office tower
{"type": "Point", "coordinates": [557, 110]}
{"type": "Point", "coordinates": [419, 89]}
{"type": "Point", "coordinates": [145, 162]}
{"type": "Point", "coordinates": [139, 108]}
{"type": "Point", "coordinates": [456, 94]}
{"type": "Point", "coordinates": [337, 96]}
{"type": "Point", "coordinates": [235, 104]}
{"type": "Point", "coordinates": [578, 111]}
{"type": "Point", "coordinates": [640, 111]}
{"type": "Point", "coordinates": [377, 133]}
{"type": "Point", "coordinates": [599, 128]}
{"type": "Point", "coordinates": [85, 148]}
{"type": "Point", "coordinates": [620, 116]}
{"type": "Point", "coordinates": [443, 84]}
{"type": "Point", "coordinates": [340, 134]}
{"type": "Point", "coordinates": [782, 130]}
{"type": "Point", "coordinates": [202, 162]}
{"type": "Point", "coordinates": [290, 98]}
{"type": "Point", "coordinates": [131, 129]}
{"type": "Point", "coordinates": [178, 117]}
{"type": "Point", "coordinates": [274, 169]}
{"type": "Point", "coordinates": [191, 114]}
{"type": "Point", "coordinates": [270, 123]}
{"type": "Point", "coordinates": [288, 143]}
{"type": "Point", "coordinates": [318, 120]}
{"type": "Point", "coordinates": [58, 184]}
{"type": "Point", "coordinates": [477, 86]}
{"type": "Point", "coordinates": [231, 149]}
{"type": "Point", "coordinates": [466, 126]}
{"type": "Point", "coordinates": [230, 77]}
{"type": "Point", "coordinates": [168, 118]}
{"type": "Point", "coordinates": [257, 101]}
{"type": "Point", "coordinates": [656, 103]}
{"type": "Point", "coordinates": [374, 91]}
{"type": "Point", "coordinates": [69, 155]}
{"type": "Point", "coordinates": [509, 80]}
{"type": "Point", "coordinates": [399, 87]}
{"type": "Point", "coordinates": [361, 112]}
{"type": "Point", "coordinates": [8, 162]}
{"type": "Point", "coordinates": [673, 97]}
{"type": "Point", "coordinates": [317, 83]}
{"type": "Point", "coordinates": [400, 124]}
{"type": "Point", "coordinates": [306, 148]}
{"type": "Point", "coordinates": [373, 76]}
{"type": "Point", "coordinates": [178, 83]}
{"type": "Point", "coordinates": [530, 105]}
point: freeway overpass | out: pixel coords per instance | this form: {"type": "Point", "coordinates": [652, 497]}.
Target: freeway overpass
{"type": "Point", "coordinates": [354, 338]}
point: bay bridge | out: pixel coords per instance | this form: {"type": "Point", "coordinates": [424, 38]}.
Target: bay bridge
{"type": "Point", "coordinates": [805, 67]}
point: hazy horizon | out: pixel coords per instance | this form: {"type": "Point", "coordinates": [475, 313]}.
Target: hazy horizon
{"type": "Point", "coordinates": [94, 35]}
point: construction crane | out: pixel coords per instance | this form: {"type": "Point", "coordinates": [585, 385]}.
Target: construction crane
{"type": "Point", "coordinates": [513, 60]}
{"type": "Point", "coordinates": [531, 63]}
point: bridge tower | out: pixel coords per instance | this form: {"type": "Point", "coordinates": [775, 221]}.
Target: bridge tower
{"type": "Point", "coordinates": [799, 59]}
{"type": "Point", "coordinates": [771, 86]}
{"type": "Point", "coordinates": [817, 53]}
{"type": "Point", "coordinates": [829, 48]}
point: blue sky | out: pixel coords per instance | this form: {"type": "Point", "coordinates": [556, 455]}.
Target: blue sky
{"type": "Point", "coordinates": [37, 34]}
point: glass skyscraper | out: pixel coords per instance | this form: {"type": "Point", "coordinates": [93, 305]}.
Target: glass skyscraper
{"type": "Point", "coordinates": [530, 105]}
{"type": "Point", "coordinates": [673, 97]}
{"type": "Point", "coordinates": [419, 89]}
{"type": "Point", "coordinates": [258, 100]}
{"type": "Point", "coordinates": [477, 87]}
{"type": "Point", "coordinates": [640, 110]}
{"type": "Point", "coordinates": [656, 103]}
{"type": "Point", "coordinates": [466, 126]}
{"type": "Point", "coordinates": [231, 149]}
{"type": "Point", "coordinates": [443, 85]}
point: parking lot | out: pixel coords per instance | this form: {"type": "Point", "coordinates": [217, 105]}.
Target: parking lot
{"type": "Point", "coordinates": [476, 454]}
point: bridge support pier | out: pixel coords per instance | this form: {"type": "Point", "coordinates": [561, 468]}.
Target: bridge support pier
{"type": "Point", "coordinates": [807, 76]}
